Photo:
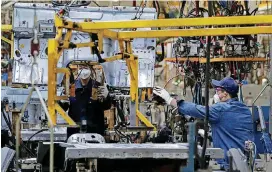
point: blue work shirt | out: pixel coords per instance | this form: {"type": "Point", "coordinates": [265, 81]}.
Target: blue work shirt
{"type": "Point", "coordinates": [231, 123]}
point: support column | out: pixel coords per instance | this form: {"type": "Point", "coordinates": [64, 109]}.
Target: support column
{"type": "Point", "coordinates": [270, 80]}
{"type": "Point", "coordinates": [52, 52]}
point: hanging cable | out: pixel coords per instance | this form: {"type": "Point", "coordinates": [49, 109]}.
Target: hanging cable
{"type": "Point", "coordinates": [207, 85]}
{"type": "Point", "coordinates": [181, 11]}
{"type": "Point", "coordinates": [6, 119]}
{"type": "Point", "coordinates": [142, 7]}
{"type": "Point", "coordinates": [35, 53]}
{"type": "Point", "coordinates": [40, 131]}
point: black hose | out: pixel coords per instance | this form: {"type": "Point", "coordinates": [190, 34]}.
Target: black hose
{"type": "Point", "coordinates": [42, 130]}
{"type": "Point", "coordinates": [120, 112]}
{"type": "Point", "coordinates": [207, 85]}
{"type": "Point", "coordinates": [6, 120]}
{"type": "Point", "coordinates": [246, 8]}
{"type": "Point", "coordinates": [157, 6]}
{"type": "Point", "coordinates": [197, 7]}
{"type": "Point", "coordinates": [181, 11]}
{"type": "Point", "coordinates": [123, 135]}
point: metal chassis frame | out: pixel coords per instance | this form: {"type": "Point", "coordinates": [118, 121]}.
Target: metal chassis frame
{"type": "Point", "coordinates": [56, 46]}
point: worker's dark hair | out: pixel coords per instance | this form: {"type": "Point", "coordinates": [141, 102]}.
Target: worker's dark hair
{"type": "Point", "coordinates": [233, 95]}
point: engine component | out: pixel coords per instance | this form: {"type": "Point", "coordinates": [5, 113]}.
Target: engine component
{"type": "Point", "coordinates": [82, 138]}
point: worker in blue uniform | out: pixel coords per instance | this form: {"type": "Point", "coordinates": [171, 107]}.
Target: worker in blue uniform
{"type": "Point", "coordinates": [230, 120]}
{"type": "Point", "coordinates": [88, 106]}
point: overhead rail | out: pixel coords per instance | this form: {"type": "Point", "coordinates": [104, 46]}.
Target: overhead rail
{"type": "Point", "coordinates": [93, 27]}
{"type": "Point", "coordinates": [180, 22]}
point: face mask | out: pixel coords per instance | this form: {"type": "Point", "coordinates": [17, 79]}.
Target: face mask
{"type": "Point", "coordinates": [216, 98]}
{"type": "Point", "coordinates": [85, 73]}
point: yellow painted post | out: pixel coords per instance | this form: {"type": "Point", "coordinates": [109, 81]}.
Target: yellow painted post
{"type": "Point", "coordinates": [144, 92]}
{"type": "Point", "coordinates": [100, 41]}
{"type": "Point", "coordinates": [133, 70]}
{"type": "Point", "coordinates": [66, 117]}
{"type": "Point", "coordinates": [52, 77]}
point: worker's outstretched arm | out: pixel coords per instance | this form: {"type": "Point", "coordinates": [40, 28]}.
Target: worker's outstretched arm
{"type": "Point", "coordinates": [188, 108]}
{"type": "Point", "coordinates": [199, 111]}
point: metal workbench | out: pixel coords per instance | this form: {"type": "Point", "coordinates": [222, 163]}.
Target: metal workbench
{"type": "Point", "coordinates": [133, 151]}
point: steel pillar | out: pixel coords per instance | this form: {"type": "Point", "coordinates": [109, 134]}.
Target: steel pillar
{"type": "Point", "coordinates": [270, 80]}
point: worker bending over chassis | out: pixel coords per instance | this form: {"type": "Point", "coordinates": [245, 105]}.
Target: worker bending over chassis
{"type": "Point", "coordinates": [88, 105]}
{"type": "Point", "coordinates": [230, 120]}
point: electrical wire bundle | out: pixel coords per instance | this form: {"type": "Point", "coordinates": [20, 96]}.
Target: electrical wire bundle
{"type": "Point", "coordinates": [129, 138]}
{"type": "Point", "coordinates": [140, 11]}
{"type": "Point", "coordinates": [71, 3]}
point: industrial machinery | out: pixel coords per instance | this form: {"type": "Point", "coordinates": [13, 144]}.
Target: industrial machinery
{"type": "Point", "coordinates": [50, 38]}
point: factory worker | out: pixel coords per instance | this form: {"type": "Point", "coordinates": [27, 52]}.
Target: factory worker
{"type": "Point", "coordinates": [88, 105]}
{"type": "Point", "coordinates": [230, 120]}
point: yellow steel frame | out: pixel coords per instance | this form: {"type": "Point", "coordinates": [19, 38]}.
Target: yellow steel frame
{"type": "Point", "coordinates": [211, 21]}
{"type": "Point", "coordinates": [8, 28]}
{"type": "Point", "coordinates": [56, 46]}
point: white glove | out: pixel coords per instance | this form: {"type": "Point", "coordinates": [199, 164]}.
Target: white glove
{"type": "Point", "coordinates": [163, 94]}
{"type": "Point", "coordinates": [103, 91]}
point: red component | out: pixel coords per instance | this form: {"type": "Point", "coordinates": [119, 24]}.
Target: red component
{"type": "Point", "coordinates": [34, 47]}
{"type": "Point", "coordinates": [158, 66]}
{"type": "Point", "coordinates": [61, 11]}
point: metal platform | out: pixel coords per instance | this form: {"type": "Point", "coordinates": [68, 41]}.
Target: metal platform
{"type": "Point", "coordinates": [43, 136]}
{"type": "Point", "coordinates": [133, 151]}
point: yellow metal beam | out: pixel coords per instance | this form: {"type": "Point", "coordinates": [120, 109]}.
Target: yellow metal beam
{"type": "Point", "coordinates": [196, 32]}
{"type": "Point", "coordinates": [63, 70]}
{"type": "Point", "coordinates": [120, 57]}
{"type": "Point", "coordinates": [52, 77]}
{"type": "Point", "coordinates": [6, 40]}
{"type": "Point", "coordinates": [84, 63]}
{"type": "Point", "coordinates": [215, 21]}
{"type": "Point", "coordinates": [265, 6]}
{"type": "Point", "coordinates": [61, 98]}
{"type": "Point", "coordinates": [53, 56]}
{"type": "Point", "coordinates": [238, 59]}
{"type": "Point", "coordinates": [110, 34]}
{"type": "Point", "coordinates": [59, 34]}
{"type": "Point", "coordinates": [113, 58]}
{"type": "Point", "coordinates": [144, 120]}
{"type": "Point", "coordinates": [6, 28]}
{"type": "Point", "coordinates": [64, 115]}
